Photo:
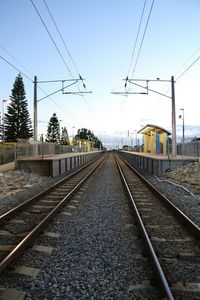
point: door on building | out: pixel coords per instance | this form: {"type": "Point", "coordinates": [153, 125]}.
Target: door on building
{"type": "Point", "coordinates": [157, 143]}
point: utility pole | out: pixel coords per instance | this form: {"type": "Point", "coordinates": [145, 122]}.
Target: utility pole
{"type": "Point", "coordinates": [35, 100]}
{"type": "Point", "coordinates": [172, 97]}
{"type": "Point", "coordinates": [35, 130]}
{"type": "Point", "coordinates": [173, 118]}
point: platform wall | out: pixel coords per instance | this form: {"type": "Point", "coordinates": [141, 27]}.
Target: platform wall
{"type": "Point", "coordinates": [56, 166]}
{"type": "Point", "coordinates": [155, 166]}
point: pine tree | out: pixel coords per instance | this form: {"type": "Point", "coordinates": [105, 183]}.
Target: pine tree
{"type": "Point", "coordinates": [53, 130]}
{"type": "Point", "coordinates": [17, 122]}
{"type": "Point", "coordinates": [83, 134]}
{"type": "Point", "coordinates": [1, 128]}
{"type": "Point", "coordinates": [64, 137]}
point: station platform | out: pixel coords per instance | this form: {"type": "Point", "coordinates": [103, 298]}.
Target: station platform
{"type": "Point", "coordinates": [157, 163]}
{"type": "Point", "coordinates": [55, 165]}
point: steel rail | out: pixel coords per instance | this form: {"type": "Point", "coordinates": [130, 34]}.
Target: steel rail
{"type": "Point", "coordinates": [176, 211]}
{"type": "Point", "coordinates": [5, 216]}
{"type": "Point", "coordinates": [19, 249]}
{"type": "Point", "coordinates": [166, 292]}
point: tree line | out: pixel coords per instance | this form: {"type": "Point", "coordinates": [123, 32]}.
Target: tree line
{"type": "Point", "coordinates": [16, 123]}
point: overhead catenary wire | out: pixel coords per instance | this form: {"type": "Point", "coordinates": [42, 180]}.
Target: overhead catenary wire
{"type": "Point", "coordinates": [187, 68]}
{"type": "Point", "coordinates": [17, 61]}
{"type": "Point", "coordinates": [141, 43]}
{"type": "Point", "coordinates": [187, 62]}
{"type": "Point", "coordinates": [137, 36]}
{"type": "Point", "coordinates": [139, 51]}
{"type": "Point", "coordinates": [52, 39]}
{"type": "Point", "coordinates": [53, 19]}
{"type": "Point", "coordinates": [18, 70]}
{"type": "Point", "coordinates": [61, 108]}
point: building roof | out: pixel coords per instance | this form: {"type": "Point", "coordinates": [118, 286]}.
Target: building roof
{"type": "Point", "coordinates": [151, 127]}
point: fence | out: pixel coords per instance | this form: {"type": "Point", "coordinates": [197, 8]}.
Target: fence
{"type": "Point", "coordinates": [189, 149]}
{"type": "Point", "coordinates": [7, 154]}
{"type": "Point", "coordinates": [26, 149]}
{"type": "Point", "coordinates": [43, 149]}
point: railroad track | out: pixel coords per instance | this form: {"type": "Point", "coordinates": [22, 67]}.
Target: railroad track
{"type": "Point", "coordinates": [171, 238]}
{"type": "Point", "coordinates": [33, 215]}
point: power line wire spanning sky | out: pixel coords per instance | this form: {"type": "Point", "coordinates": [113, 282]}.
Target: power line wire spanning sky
{"type": "Point", "coordinates": [100, 41]}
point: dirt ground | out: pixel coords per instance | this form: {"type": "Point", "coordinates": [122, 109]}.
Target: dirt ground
{"type": "Point", "coordinates": [187, 175]}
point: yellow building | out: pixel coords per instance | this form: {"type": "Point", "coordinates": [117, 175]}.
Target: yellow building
{"type": "Point", "coordinates": [155, 139]}
{"type": "Point", "coordinates": [86, 144]}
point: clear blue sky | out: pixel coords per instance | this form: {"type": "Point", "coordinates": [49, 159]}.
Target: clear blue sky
{"type": "Point", "coordinates": [100, 36]}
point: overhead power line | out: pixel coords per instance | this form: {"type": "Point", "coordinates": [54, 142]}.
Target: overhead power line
{"type": "Point", "coordinates": [18, 70]}
{"type": "Point", "coordinates": [53, 19]}
{"type": "Point", "coordinates": [55, 24]}
{"type": "Point", "coordinates": [188, 68]}
{"type": "Point", "coordinates": [17, 61]}
{"type": "Point", "coordinates": [139, 51]}
{"type": "Point", "coordinates": [45, 26]}
{"type": "Point", "coordinates": [187, 62]}
{"type": "Point", "coordinates": [138, 31]}
{"type": "Point", "coordinates": [60, 107]}
{"type": "Point", "coordinates": [141, 43]}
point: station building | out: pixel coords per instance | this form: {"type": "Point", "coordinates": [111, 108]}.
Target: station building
{"type": "Point", "coordinates": [155, 139]}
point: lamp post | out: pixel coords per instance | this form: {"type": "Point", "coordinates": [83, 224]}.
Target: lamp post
{"type": "Point", "coordinates": [60, 128]}
{"type": "Point", "coordinates": [73, 127]}
{"type": "Point", "coordinates": [183, 128]}
{"type": "Point", "coordinates": [183, 125]}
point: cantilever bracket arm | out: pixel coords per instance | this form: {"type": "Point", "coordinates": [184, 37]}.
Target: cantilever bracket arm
{"type": "Point", "coordinates": [77, 93]}
{"type": "Point", "coordinates": [62, 89]}
{"type": "Point", "coordinates": [148, 89]}
{"type": "Point", "coordinates": [128, 93]}
{"type": "Point", "coordinates": [74, 93]}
